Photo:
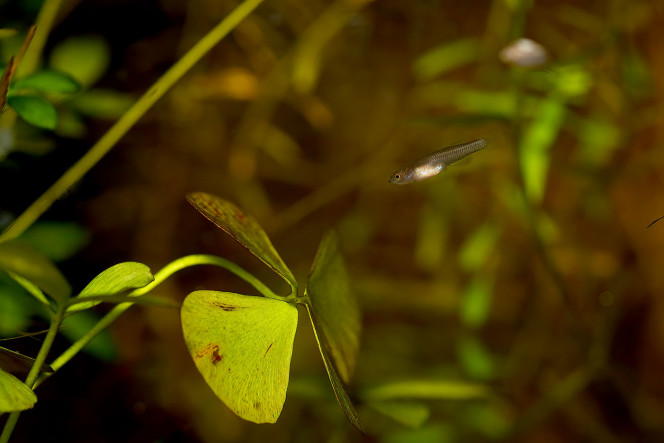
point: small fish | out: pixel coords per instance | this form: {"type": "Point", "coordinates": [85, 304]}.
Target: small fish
{"type": "Point", "coordinates": [434, 163]}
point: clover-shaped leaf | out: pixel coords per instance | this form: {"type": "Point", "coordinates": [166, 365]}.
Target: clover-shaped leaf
{"type": "Point", "coordinates": [244, 229]}
{"type": "Point", "coordinates": [21, 259]}
{"type": "Point", "coordinates": [14, 394]}
{"type": "Point", "coordinates": [242, 345]}
{"type": "Point", "coordinates": [35, 110]}
{"type": "Point", "coordinates": [118, 278]}
{"type": "Point", "coordinates": [333, 304]}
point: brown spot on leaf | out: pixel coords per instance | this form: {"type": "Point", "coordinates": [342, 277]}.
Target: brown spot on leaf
{"type": "Point", "coordinates": [257, 405]}
{"type": "Point", "coordinates": [213, 351]}
{"type": "Point", "coordinates": [268, 348]}
{"type": "Point", "coordinates": [216, 358]}
{"type": "Point", "coordinates": [225, 307]}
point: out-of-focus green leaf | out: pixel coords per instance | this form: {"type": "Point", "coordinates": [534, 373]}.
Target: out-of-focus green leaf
{"type": "Point", "coordinates": [85, 58]}
{"type": "Point", "coordinates": [425, 389]}
{"type": "Point", "coordinates": [25, 261]}
{"type": "Point", "coordinates": [244, 229]}
{"type": "Point", "coordinates": [432, 433]}
{"type": "Point", "coordinates": [48, 81]}
{"type": "Point", "coordinates": [14, 394]}
{"type": "Point", "coordinates": [572, 80]}
{"type": "Point", "coordinates": [445, 58]}
{"type": "Point", "coordinates": [242, 346]}
{"type": "Point", "coordinates": [409, 413]}
{"type": "Point", "coordinates": [599, 139]}
{"type": "Point", "coordinates": [500, 103]}
{"type": "Point", "coordinates": [332, 301]}
{"type": "Point", "coordinates": [536, 143]}
{"type": "Point", "coordinates": [14, 311]}
{"type": "Point", "coordinates": [56, 240]}
{"type": "Point", "coordinates": [478, 247]}
{"type": "Point", "coordinates": [337, 386]}
{"type": "Point", "coordinates": [7, 32]}
{"type": "Point", "coordinates": [101, 346]}
{"type": "Point", "coordinates": [14, 362]}
{"type": "Point", "coordinates": [475, 359]}
{"type": "Point", "coordinates": [118, 278]}
{"type": "Point", "coordinates": [102, 103]}
{"type": "Point", "coordinates": [476, 302]}
{"type": "Point", "coordinates": [35, 110]}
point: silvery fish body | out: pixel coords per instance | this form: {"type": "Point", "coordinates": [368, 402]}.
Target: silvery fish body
{"type": "Point", "coordinates": [434, 163]}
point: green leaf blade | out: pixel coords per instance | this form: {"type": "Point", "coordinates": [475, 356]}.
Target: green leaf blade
{"type": "Point", "coordinates": [118, 278]}
{"type": "Point", "coordinates": [14, 394]}
{"type": "Point", "coordinates": [328, 290]}
{"type": "Point", "coordinates": [35, 110]}
{"type": "Point", "coordinates": [21, 259]}
{"type": "Point", "coordinates": [48, 81]}
{"type": "Point", "coordinates": [244, 229]}
{"type": "Point", "coordinates": [14, 362]}
{"type": "Point", "coordinates": [337, 385]}
{"type": "Point", "coordinates": [242, 346]}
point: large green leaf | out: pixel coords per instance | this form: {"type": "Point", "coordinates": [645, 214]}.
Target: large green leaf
{"type": "Point", "coordinates": [242, 346]}
{"type": "Point", "coordinates": [118, 278]}
{"type": "Point", "coordinates": [35, 110]}
{"type": "Point", "coordinates": [14, 394]}
{"type": "Point", "coordinates": [23, 260]}
{"type": "Point", "coordinates": [48, 81]}
{"type": "Point", "coordinates": [244, 229]}
{"type": "Point", "coordinates": [12, 361]}
{"type": "Point", "coordinates": [337, 386]}
{"type": "Point", "coordinates": [333, 304]}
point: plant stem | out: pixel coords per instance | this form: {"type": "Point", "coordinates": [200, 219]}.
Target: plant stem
{"type": "Point", "coordinates": [34, 371]}
{"type": "Point", "coordinates": [160, 276]}
{"type": "Point", "coordinates": [127, 121]}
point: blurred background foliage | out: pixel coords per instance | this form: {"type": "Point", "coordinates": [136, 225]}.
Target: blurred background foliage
{"type": "Point", "coordinates": [529, 269]}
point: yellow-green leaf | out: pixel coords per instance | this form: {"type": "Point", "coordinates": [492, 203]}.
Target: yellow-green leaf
{"type": "Point", "coordinates": [332, 301]}
{"type": "Point", "coordinates": [337, 386]}
{"type": "Point", "coordinates": [85, 58]}
{"type": "Point", "coordinates": [242, 346]}
{"type": "Point", "coordinates": [14, 394]}
{"type": "Point", "coordinates": [118, 278]}
{"type": "Point", "coordinates": [244, 229]}
{"type": "Point", "coordinates": [26, 262]}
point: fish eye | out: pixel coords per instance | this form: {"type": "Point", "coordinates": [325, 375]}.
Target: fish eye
{"type": "Point", "coordinates": [397, 176]}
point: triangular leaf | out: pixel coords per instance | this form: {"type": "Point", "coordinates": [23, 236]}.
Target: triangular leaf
{"type": "Point", "coordinates": [244, 229]}
{"type": "Point", "coordinates": [24, 261]}
{"type": "Point", "coordinates": [48, 81]}
{"type": "Point", "coordinates": [118, 278]}
{"type": "Point", "coordinates": [337, 386]}
{"type": "Point", "coordinates": [14, 394]}
{"type": "Point", "coordinates": [242, 346]}
{"type": "Point", "coordinates": [335, 307]}
{"type": "Point", "coordinates": [35, 110]}
{"type": "Point", "coordinates": [12, 361]}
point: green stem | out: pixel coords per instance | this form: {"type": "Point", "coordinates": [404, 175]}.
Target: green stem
{"type": "Point", "coordinates": [127, 121]}
{"type": "Point", "coordinates": [160, 276]}
{"type": "Point", "coordinates": [45, 20]}
{"type": "Point", "coordinates": [34, 371]}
